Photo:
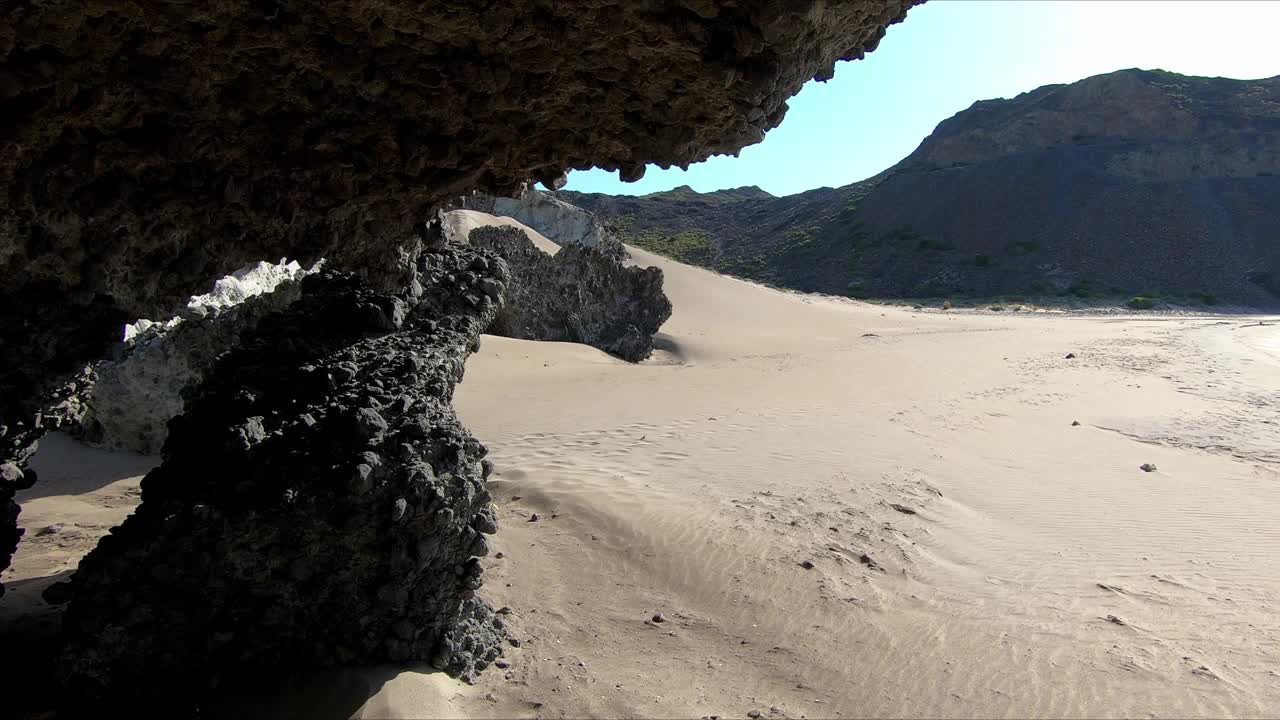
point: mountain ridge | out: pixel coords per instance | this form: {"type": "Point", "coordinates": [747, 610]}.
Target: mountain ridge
{"type": "Point", "coordinates": [1132, 182]}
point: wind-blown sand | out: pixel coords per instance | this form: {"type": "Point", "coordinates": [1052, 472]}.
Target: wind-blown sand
{"type": "Point", "coordinates": [973, 553]}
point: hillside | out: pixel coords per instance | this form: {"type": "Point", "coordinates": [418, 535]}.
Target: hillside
{"type": "Point", "coordinates": [1134, 182]}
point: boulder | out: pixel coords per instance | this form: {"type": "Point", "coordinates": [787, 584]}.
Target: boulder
{"type": "Point", "coordinates": [580, 294]}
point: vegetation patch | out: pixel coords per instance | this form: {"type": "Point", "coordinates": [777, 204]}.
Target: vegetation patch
{"type": "Point", "coordinates": [1081, 289]}
{"type": "Point", "coordinates": [692, 246]}
{"type": "Point", "coordinates": [1141, 302]}
{"type": "Point", "coordinates": [1020, 248]}
{"type": "Point", "coordinates": [797, 238]}
{"type": "Point", "coordinates": [931, 245]}
{"type": "Point", "coordinates": [983, 261]}
{"type": "Point", "coordinates": [903, 235]}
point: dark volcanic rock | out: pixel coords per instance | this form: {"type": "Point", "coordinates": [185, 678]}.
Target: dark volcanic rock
{"type": "Point", "coordinates": [580, 294]}
{"type": "Point", "coordinates": [1126, 183]}
{"type": "Point", "coordinates": [319, 504]}
{"type": "Point", "coordinates": [150, 148]}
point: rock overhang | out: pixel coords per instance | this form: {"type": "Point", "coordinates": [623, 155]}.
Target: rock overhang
{"type": "Point", "coordinates": [152, 147]}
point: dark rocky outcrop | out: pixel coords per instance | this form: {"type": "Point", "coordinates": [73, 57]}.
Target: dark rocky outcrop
{"type": "Point", "coordinates": [1125, 183]}
{"type": "Point", "coordinates": [319, 503]}
{"type": "Point", "coordinates": [580, 295]}
{"type": "Point", "coordinates": [149, 148]}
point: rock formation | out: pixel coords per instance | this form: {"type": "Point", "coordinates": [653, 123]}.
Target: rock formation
{"type": "Point", "coordinates": [319, 502]}
{"type": "Point", "coordinates": [580, 295]}
{"type": "Point", "coordinates": [149, 148]}
{"type": "Point", "coordinates": [1125, 183]}
{"type": "Point", "coordinates": [559, 222]}
{"type": "Point", "coordinates": [150, 375]}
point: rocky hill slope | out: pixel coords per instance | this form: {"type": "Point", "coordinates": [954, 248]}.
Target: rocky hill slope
{"type": "Point", "coordinates": [1131, 183]}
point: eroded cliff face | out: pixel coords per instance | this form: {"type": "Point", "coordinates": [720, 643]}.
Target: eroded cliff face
{"type": "Point", "coordinates": [559, 222]}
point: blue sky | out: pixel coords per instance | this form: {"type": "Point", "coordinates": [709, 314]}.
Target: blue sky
{"type": "Point", "coordinates": [949, 54]}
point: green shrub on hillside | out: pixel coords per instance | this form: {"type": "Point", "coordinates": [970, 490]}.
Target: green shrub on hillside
{"type": "Point", "coordinates": [1141, 302]}
{"type": "Point", "coordinates": [1020, 248]}
{"type": "Point", "coordinates": [903, 234]}
{"type": "Point", "coordinates": [797, 238]}
{"type": "Point", "coordinates": [691, 246]}
{"type": "Point", "coordinates": [982, 261]}
{"type": "Point", "coordinates": [929, 244]}
{"type": "Point", "coordinates": [1081, 289]}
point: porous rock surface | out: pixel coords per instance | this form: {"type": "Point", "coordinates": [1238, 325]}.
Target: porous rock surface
{"type": "Point", "coordinates": [148, 377]}
{"type": "Point", "coordinates": [559, 222]}
{"type": "Point", "coordinates": [580, 294]}
{"type": "Point", "coordinates": [319, 503]}
{"type": "Point", "coordinates": [150, 148]}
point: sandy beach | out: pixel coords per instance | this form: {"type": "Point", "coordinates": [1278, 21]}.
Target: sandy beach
{"type": "Point", "coordinates": [812, 507]}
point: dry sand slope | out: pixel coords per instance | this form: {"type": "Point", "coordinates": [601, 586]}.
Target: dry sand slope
{"type": "Point", "coordinates": [972, 553]}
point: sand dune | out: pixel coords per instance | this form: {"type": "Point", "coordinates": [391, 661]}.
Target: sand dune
{"type": "Point", "coordinates": [973, 554]}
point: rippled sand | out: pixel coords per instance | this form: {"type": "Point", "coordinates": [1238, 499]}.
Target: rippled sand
{"type": "Point", "coordinates": [973, 553]}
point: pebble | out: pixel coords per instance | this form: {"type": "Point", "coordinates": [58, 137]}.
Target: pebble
{"type": "Point", "coordinates": [659, 618]}
{"type": "Point", "coordinates": [753, 714]}
{"type": "Point", "coordinates": [1071, 356]}
{"type": "Point", "coordinates": [1075, 423]}
{"type": "Point", "coordinates": [501, 664]}
{"type": "Point", "coordinates": [534, 518]}
{"type": "Point", "coordinates": [807, 565]}
{"type": "Point", "coordinates": [515, 641]}
{"type": "Point", "coordinates": [498, 556]}
{"type": "Point", "coordinates": [1147, 467]}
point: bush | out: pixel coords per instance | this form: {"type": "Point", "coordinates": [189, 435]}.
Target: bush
{"type": "Point", "coordinates": [1205, 298]}
{"type": "Point", "coordinates": [1081, 289]}
{"type": "Point", "coordinates": [982, 261]}
{"type": "Point", "coordinates": [1141, 302]}
{"type": "Point", "coordinates": [996, 308]}
{"type": "Point", "coordinates": [1021, 247]}
{"type": "Point", "coordinates": [928, 244]}
{"type": "Point", "coordinates": [688, 247]}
